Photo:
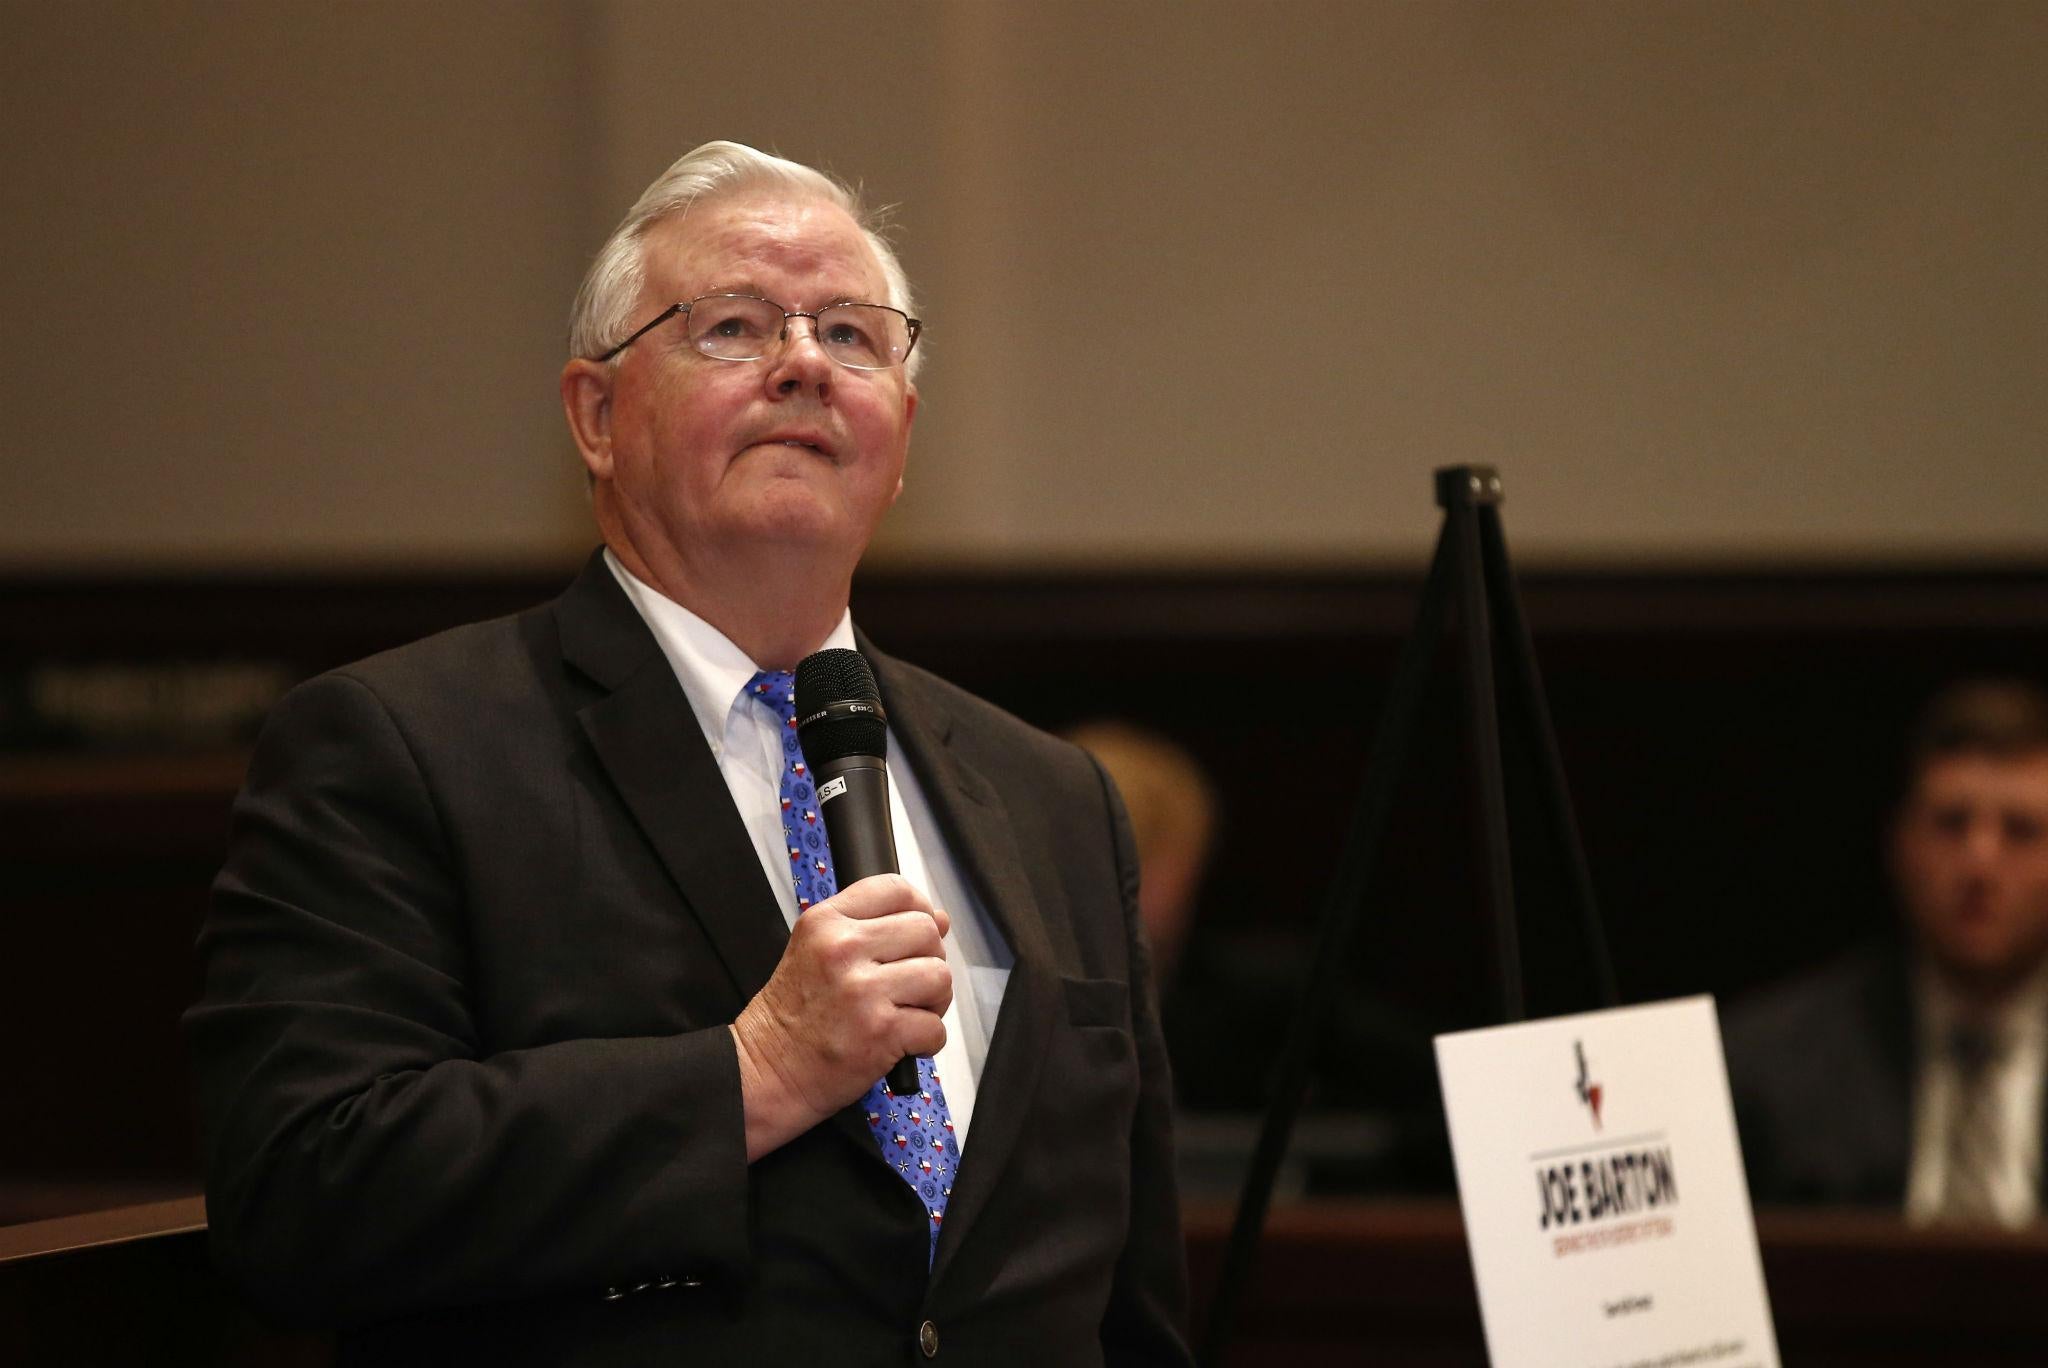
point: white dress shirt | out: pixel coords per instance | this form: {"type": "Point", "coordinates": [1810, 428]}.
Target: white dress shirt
{"type": "Point", "coordinates": [2016, 1082]}
{"type": "Point", "coordinates": [746, 740]}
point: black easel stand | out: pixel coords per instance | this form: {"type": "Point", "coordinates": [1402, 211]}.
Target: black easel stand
{"type": "Point", "coordinates": [1470, 565]}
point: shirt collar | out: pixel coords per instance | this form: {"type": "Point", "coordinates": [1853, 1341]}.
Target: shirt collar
{"type": "Point", "coordinates": [711, 669]}
{"type": "Point", "coordinates": [2021, 1020]}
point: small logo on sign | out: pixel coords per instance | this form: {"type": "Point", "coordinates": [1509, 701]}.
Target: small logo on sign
{"type": "Point", "coordinates": [1589, 1091]}
{"type": "Point", "coordinates": [831, 789]}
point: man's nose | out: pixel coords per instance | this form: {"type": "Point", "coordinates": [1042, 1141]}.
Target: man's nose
{"type": "Point", "coordinates": [1983, 841]}
{"type": "Point", "coordinates": [799, 362]}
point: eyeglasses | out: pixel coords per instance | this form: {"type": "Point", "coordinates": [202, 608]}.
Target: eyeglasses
{"type": "Point", "coordinates": [736, 327]}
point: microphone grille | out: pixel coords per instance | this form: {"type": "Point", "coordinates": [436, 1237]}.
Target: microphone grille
{"type": "Point", "coordinates": [839, 676]}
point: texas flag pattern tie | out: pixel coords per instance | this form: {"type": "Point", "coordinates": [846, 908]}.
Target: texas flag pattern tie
{"type": "Point", "coordinates": [915, 1134]}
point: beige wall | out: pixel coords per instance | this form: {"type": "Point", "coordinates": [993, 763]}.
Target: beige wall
{"type": "Point", "coordinates": [285, 281]}
{"type": "Point", "coordinates": [1207, 281]}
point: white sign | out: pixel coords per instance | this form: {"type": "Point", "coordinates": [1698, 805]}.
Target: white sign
{"type": "Point", "coordinates": [1604, 1199]}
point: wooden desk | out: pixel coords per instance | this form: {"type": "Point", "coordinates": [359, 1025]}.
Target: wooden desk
{"type": "Point", "coordinates": [1390, 1282]}
{"type": "Point", "coordinates": [128, 1287]}
{"type": "Point", "coordinates": [1337, 1283]}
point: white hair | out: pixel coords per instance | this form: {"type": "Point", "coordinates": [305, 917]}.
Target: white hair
{"type": "Point", "coordinates": [602, 314]}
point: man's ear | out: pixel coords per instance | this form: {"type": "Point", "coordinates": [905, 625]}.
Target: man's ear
{"type": "Point", "coordinates": [587, 404]}
{"type": "Point", "coordinates": [909, 418]}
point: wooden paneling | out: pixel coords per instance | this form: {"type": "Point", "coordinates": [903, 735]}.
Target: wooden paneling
{"type": "Point", "coordinates": [1731, 742]}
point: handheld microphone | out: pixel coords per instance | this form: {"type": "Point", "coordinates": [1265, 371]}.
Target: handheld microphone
{"type": "Point", "coordinates": [845, 739]}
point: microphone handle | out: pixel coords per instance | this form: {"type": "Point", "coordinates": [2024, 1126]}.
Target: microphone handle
{"type": "Point", "coordinates": [863, 843]}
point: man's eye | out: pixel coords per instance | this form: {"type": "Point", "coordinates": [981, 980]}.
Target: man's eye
{"type": "Point", "coordinates": [846, 335]}
{"type": "Point", "coordinates": [1950, 821]}
{"type": "Point", "coordinates": [2022, 829]}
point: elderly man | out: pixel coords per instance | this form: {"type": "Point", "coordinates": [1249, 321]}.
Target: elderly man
{"type": "Point", "coordinates": [534, 1030]}
{"type": "Point", "coordinates": [1911, 1076]}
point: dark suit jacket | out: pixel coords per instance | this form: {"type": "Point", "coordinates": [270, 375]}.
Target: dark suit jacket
{"type": "Point", "coordinates": [1822, 1070]}
{"type": "Point", "coordinates": [462, 1055]}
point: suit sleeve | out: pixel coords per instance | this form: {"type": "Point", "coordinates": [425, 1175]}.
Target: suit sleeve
{"type": "Point", "coordinates": [1146, 1320]}
{"type": "Point", "coordinates": [364, 1156]}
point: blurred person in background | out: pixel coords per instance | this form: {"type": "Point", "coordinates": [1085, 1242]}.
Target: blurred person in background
{"type": "Point", "coordinates": [1172, 805]}
{"type": "Point", "coordinates": [1910, 1074]}
{"type": "Point", "coordinates": [1228, 998]}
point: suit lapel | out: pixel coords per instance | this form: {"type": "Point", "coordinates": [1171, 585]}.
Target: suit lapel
{"type": "Point", "coordinates": [975, 822]}
{"type": "Point", "coordinates": [652, 749]}
{"type": "Point", "coordinates": [1888, 1121]}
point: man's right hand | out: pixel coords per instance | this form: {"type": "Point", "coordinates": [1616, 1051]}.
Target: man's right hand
{"type": "Point", "coordinates": [863, 982]}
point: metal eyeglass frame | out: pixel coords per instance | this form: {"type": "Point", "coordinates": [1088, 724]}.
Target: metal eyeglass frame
{"type": "Point", "coordinates": [916, 327]}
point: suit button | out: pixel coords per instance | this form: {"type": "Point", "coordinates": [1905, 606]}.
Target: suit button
{"type": "Point", "coordinates": [928, 1339]}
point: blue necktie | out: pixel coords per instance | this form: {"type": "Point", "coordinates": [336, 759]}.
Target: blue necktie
{"type": "Point", "coordinates": [915, 1133]}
